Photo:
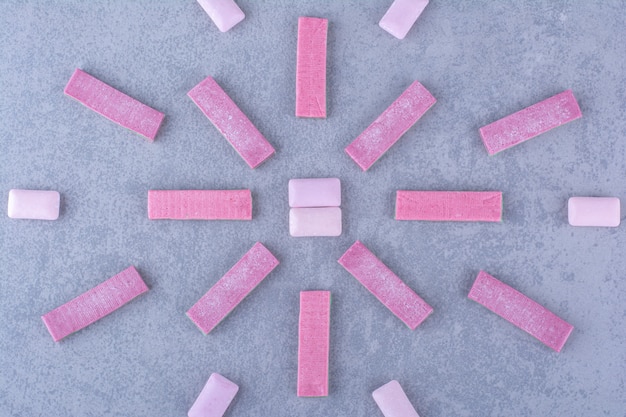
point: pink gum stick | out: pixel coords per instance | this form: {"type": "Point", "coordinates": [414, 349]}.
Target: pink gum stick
{"type": "Point", "coordinates": [390, 125]}
{"type": "Point", "coordinates": [114, 105]}
{"type": "Point", "coordinates": [311, 67]}
{"type": "Point", "coordinates": [94, 304]}
{"type": "Point", "coordinates": [313, 343]}
{"type": "Point", "coordinates": [224, 13]}
{"type": "Point", "coordinates": [200, 204]}
{"type": "Point", "coordinates": [593, 211]}
{"type": "Point", "coordinates": [467, 206]}
{"type": "Point", "coordinates": [215, 397]}
{"type": "Point", "coordinates": [232, 288]}
{"type": "Point", "coordinates": [401, 16]}
{"type": "Point", "coordinates": [385, 285]}
{"type": "Point", "coordinates": [520, 310]}
{"type": "Point", "coordinates": [231, 122]}
{"type": "Point", "coordinates": [530, 122]}
{"type": "Point", "coordinates": [393, 402]}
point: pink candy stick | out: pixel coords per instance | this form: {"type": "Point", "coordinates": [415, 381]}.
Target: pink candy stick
{"type": "Point", "coordinates": [530, 122]}
{"type": "Point", "coordinates": [94, 304]}
{"type": "Point", "coordinates": [313, 343]}
{"type": "Point", "coordinates": [391, 125]}
{"type": "Point", "coordinates": [385, 285]}
{"type": "Point", "coordinates": [393, 402]}
{"type": "Point", "coordinates": [594, 211]}
{"type": "Point", "coordinates": [315, 192]}
{"type": "Point", "coordinates": [520, 310]}
{"type": "Point", "coordinates": [200, 204]}
{"type": "Point", "coordinates": [34, 204]}
{"type": "Point", "coordinates": [214, 398]}
{"type": "Point", "coordinates": [224, 13]}
{"type": "Point", "coordinates": [401, 16]}
{"type": "Point", "coordinates": [311, 67]}
{"type": "Point", "coordinates": [449, 206]}
{"type": "Point", "coordinates": [114, 105]}
{"type": "Point", "coordinates": [231, 122]}
{"type": "Point", "coordinates": [232, 288]}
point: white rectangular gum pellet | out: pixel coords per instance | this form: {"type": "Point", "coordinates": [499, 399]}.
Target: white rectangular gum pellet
{"type": "Point", "coordinates": [401, 16]}
{"type": "Point", "coordinates": [215, 397]}
{"type": "Point", "coordinates": [594, 211]}
{"type": "Point", "coordinates": [393, 402]}
{"type": "Point", "coordinates": [315, 192]}
{"type": "Point", "coordinates": [34, 204]}
{"type": "Point", "coordinates": [224, 13]}
{"type": "Point", "coordinates": [319, 221]}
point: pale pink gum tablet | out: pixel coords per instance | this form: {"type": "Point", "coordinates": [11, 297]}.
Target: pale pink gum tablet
{"type": "Point", "coordinates": [385, 285]}
{"type": "Point", "coordinates": [315, 192]}
{"type": "Point", "coordinates": [114, 105]}
{"type": "Point", "coordinates": [520, 310]}
{"type": "Point", "coordinates": [461, 206]}
{"type": "Point", "coordinates": [390, 125]}
{"type": "Point", "coordinates": [94, 304]}
{"type": "Point", "coordinates": [224, 13]}
{"type": "Point", "coordinates": [530, 122]}
{"type": "Point", "coordinates": [393, 402]}
{"type": "Point", "coordinates": [313, 343]}
{"type": "Point", "coordinates": [34, 204]}
{"type": "Point", "coordinates": [232, 288]}
{"type": "Point", "coordinates": [401, 16]}
{"type": "Point", "coordinates": [200, 204]}
{"type": "Point", "coordinates": [231, 122]}
{"type": "Point", "coordinates": [311, 67]}
{"type": "Point", "coordinates": [593, 211]}
{"type": "Point", "coordinates": [315, 221]}
{"type": "Point", "coordinates": [215, 397]}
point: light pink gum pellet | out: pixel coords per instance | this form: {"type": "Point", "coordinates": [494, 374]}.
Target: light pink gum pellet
{"type": "Point", "coordinates": [238, 130]}
{"type": "Point", "coordinates": [224, 13]}
{"type": "Point", "coordinates": [314, 192]}
{"type": "Point", "coordinates": [390, 125]}
{"type": "Point", "coordinates": [594, 211]}
{"type": "Point", "coordinates": [315, 221]}
{"type": "Point", "coordinates": [393, 402]}
{"type": "Point", "coordinates": [215, 397]}
{"type": "Point", "coordinates": [34, 204]}
{"type": "Point", "coordinates": [94, 304]}
{"type": "Point", "coordinates": [232, 288]}
{"type": "Point", "coordinates": [385, 285]}
{"type": "Point", "coordinates": [520, 310]}
{"type": "Point", "coordinates": [530, 122]}
{"type": "Point", "coordinates": [313, 343]}
{"type": "Point", "coordinates": [200, 204]}
{"type": "Point", "coordinates": [401, 16]}
{"type": "Point", "coordinates": [461, 206]}
{"type": "Point", "coordinates": [311, 67]}
{"type": "Point", "coordinates": [114, 105]}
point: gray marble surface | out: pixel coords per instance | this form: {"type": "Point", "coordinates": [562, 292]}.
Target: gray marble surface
{"type": "Point", "coordinates": [482, 60]}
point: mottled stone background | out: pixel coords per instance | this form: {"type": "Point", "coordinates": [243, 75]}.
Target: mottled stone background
{"type": "Point", "coordinates": [482, 60]}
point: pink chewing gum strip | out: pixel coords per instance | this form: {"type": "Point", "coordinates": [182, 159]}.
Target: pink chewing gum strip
{"type": "Point", "coordinates": [34, 204]}
{"type": "Point", "coordinates": [215, 397]}
{"type": "Point", "coordinates": [315, 221]}
{"type": "Point", "coordinates": [313, 343]}
{"type": "Point", "coordinates": [315, 192]}
{"type": "Point", "coordinates": [311, 67]}
{"type": "Point", "coordinates": [224, 13]}
{"type": "Point", "coordinates": [390, 125]}
{"type": "Point", "coordinates": [401, 16]}
{"type": "Point", "coordinates": [231, 122]}
{"type": "Point", "coordinates": [530, 122]}
{"type": "Point", "coordinates": [94, 304]}
{"type": "Point", "coordinates": [385, 285]}
{"type": "Point", "coordinates": [593, 211]}
{"type": "Point", "coordinates": [520, 310]}
{"type": "Point", "coordinates": [393, 402]}
{"type": "Point", "coordinates": [232, 288]}
{"type": "Point", "coordinates": [114, 105]}
{"type": "Point", "coordinates": [200, 204]}
{"type": "Point", "coordinates": [461, 206]}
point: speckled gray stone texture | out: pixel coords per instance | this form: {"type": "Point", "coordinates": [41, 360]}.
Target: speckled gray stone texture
{"type": "Point", "coordinates": [482, 60]}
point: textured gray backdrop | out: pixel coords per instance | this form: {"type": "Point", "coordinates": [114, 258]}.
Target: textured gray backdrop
{"type": "Point", "coordinates": [482, 60]}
